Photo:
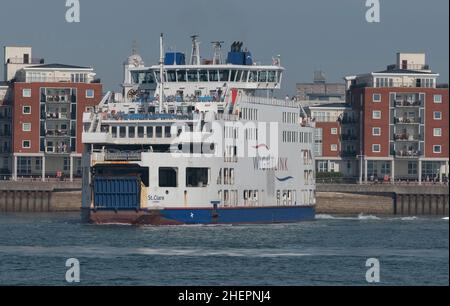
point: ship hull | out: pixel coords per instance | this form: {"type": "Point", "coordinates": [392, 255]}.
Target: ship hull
{"type": "Point", "coordinates": [179, 216]}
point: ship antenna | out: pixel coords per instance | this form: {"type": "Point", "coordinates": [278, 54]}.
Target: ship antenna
{"type": "Point", "coordinates": [195, 54]}
{"type": "Point", "coordinates": [217, 45]}
{"type": "Point", "coordinates": [161, 72]}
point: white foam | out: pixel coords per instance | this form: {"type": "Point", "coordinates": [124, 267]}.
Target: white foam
{"type": "Point", "coordinates": [409, 218]}
{"type": "Point", "coordinates": [324, 217]}
{"type": "Point", "coordinates": [361, 216]}
{"type": "Point", "coordinates": [445, 218]}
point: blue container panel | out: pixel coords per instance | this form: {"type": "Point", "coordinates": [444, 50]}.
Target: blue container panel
{"type": "Point", "coordinates": [174, 58]}
{"type": "Point", "coordinates": [236, 58]}
{"type": "Point", "coordinates": [116, 192]}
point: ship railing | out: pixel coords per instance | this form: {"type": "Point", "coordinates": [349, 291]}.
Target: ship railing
{"type": "Point", "coordinates": [125, 117]}
{"type": "Point", "coordinates": [269, 101]}
{"type": "Point", "coordinates": [123, 156]}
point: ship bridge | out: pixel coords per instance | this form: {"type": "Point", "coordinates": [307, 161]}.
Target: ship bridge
{"type": "Point", "coordinates": [201, 80]}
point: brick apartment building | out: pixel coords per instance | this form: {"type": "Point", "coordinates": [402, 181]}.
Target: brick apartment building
{"type": "Point", "coordinates": [46, 103]}
{"type": "Point", "coordinates": [402, 131]}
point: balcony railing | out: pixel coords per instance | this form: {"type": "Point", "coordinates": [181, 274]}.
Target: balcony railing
{"type": "Point", "coordinates": [407, 153]}
{"type": "Point", "coordinates": [348, 153]}
{"type": "Point", "coordinates": [407, 137]}
{"type": "Point", "coordinates": [407, 103]}
{"type": "Point", "coordinates": [349, 137]}
{"type": "Point", "coordinates": [57, 133]}
{"type": "Point", "coordinates": [407, 120]}
{"type": "Point", "coordinates": [5, 133]}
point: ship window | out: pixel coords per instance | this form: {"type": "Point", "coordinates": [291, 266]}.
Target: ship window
{"type": "Point", "coordinates": [223, 75]}
{"type": "Point", "coordinates": [213, 76]}
{"type": "Point", "coordinates": [122, 132]}
{"type": "Point", "coordinates": [131, 131]}
{"type": "Point", "coordinates": [167, 131]}
{"type": "Point", "coordinates": [181, 75]}
{"type": "Point", "coordinates": [158, 132]}
{"type": "Point", "coordinates": [168, 177]}
{"type": "Point", "coordinates": [140, 131]}
{"type": "Point", "coordinates": [239, 75]}
{"type": "Point", "coordinates": [171, 76]}
{"type": "Point", "coordinates": [203, 75]}
{"type": "Point", "coordinates": [149, 131]}
{"type": "Point", "coordinates": [192, 76]}
{"type": "Point", "coordinates": [233, 75]}
{"type": "Point", "coordinates": [197, 177]}
{"type": "Point", "coordinates": [272, 77]}
{"type": "Point", "coordinates": [244, 76]}
{"type": "Point", "coordinates": [253, 76]}
{"type": "Point", "coordinates": [262, 76]}
{"type": "Point", "coordinates": [114, 131]}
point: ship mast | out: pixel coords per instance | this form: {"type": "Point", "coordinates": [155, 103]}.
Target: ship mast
{"type": "Point", "coordinates": [161, 72]}
{"type": "Point", "coordinates": [195, 54]}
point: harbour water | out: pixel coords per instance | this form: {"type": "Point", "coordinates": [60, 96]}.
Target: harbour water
{"type": "Point", "coordinates": [329, 251]}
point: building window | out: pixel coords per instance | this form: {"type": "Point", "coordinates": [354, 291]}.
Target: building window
{"type": "Point", "coordinates": [333, 131]}
{"type": "Point", "coordinates": [437, 115]}
{"type": "Point", "coordinates": [385, 168]}
{"type": "Point", "coordinates": [437, 149]}
{"type": "Point", "coordinates": [322, 166]}
{"type": "Point", "coordinates": [376, 97]}
{"type": "Point", "coordinates": [168, 177]}
{"type": "Point", "coordinates": [376, 114]}
{"type": "Point", "coordinates": [26, 144]}
{"type": "Point", "coordinates": [90, 93]}
{"type": "Point", "coordinates": [26, 127]}
{"type": "Point", "coordinates": [26, 93]}
{"type": "Point", "coordinates": [437, 99]}
{"type": "Point", "coordinates": [376, 148]}
{"type": "Point", "coordinates": [412, 168]}
{"type": "Point", "coordinates": [26, 110]}
{"type": "Point", "coordinates": [333, 147]}
{"type": "Point", "coordinates": [376, 131]}
{"type": "Point", "coordinates": [437, 132]}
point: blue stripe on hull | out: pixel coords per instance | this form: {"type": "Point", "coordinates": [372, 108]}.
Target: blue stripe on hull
{"type": "Point", "coordinates": [241, 215]}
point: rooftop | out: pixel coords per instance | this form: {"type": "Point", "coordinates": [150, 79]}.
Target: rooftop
{"type": "Point", "coordinates": [331, 105]}
{"type": "Point", "coordinates": [404, 71]}
{"type": "Point", "coordinates": [58, 66]}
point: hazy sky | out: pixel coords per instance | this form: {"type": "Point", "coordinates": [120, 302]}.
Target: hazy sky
{"type": "Point", "coordinates": [331, 35]}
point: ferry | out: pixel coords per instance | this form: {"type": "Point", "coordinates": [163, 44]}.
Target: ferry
{"type": "Point", "coordinates": [203, 141]}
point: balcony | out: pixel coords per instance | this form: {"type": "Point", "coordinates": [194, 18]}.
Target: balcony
{"type": "Point", "coordinates": [348, 153]}
{"type": "Point", "coordinates": [408, 103]}
{"type": "Point", "coordinates": [407, 120]}
{"type": "Point", "coordinates": [407, 153]}
{"type": "Point", "coordinates": [406, 137]}
{"type": "Point", "coordinates": [349, 137]}
{"type": "Point", "coordinates": [57, 133]}
{"type": "Point", "coordinates": [58, 99]}
{"type": "Point", "coordinates": [56, 116]}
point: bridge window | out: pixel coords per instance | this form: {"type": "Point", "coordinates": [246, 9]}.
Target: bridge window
{"type": "Point", "coordinates": [181, 75]}
{"type": "Point", "coordinates": [197, 177]}
{"type": "Point", "coordinates": [213, 76]}
{"type": "Point", "coordinates": [238, 76]}
{"type": "Point", "coordinates": [203, 75]}
{"type": "Point", "coordinates": [272, 77]}
{"type": "Point", "coordinates": [192, 76]}
{"type": "Point", "coordinates": [168, 177]}
{"type": "Point", "coordinates": [224, 75]}
{"type": "Point", "coordinates": [244, 76]}
{"type": "Point", "coordinates": [262, 76]}
{"type": "Point", "coordinates": [253, 76]}
{"type": "Point", "coordinates": [233, 75]}
{"type": "Point", "coordinates": [171, 76]}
